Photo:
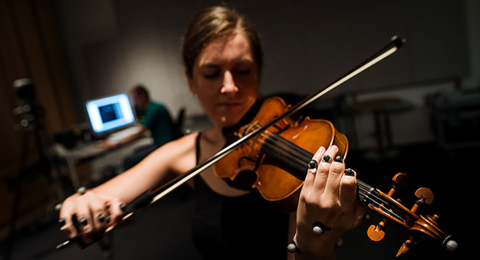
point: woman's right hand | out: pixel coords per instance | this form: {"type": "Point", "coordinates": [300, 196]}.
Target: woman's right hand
{"type": "Point", "coordinates": [93, 212]}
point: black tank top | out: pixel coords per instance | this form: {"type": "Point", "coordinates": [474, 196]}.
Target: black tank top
{"type": "Point", "coordinates": [244, 227]}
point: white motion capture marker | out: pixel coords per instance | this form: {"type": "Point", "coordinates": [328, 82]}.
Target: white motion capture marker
{"type": "Point", "coordinates": [317, 230]}
{"type": "Point", "coordinates": [452, 246]}
{"type": "Point", "coordinates": [292, 247]}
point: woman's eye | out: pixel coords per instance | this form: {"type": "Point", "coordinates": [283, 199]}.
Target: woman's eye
{"type": "Point", "coordinates": [242, 72]}
{"type": "Point", "coordinates": [211, 75]}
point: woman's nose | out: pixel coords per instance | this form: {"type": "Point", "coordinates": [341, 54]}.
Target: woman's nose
{"type": "Point", "coordinates": [228, 86]}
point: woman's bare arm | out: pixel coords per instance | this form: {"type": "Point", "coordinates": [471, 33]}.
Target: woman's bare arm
{"type": "Point", "coordinates": [92, 208]}
{"type": "Point", "coordinates": [156, 169]}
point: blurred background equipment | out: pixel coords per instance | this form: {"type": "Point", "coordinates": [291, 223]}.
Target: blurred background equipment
{"type": "Point", "coordinates": [455, 118]}
{"type": "Point", "coordinates": [31, 115]}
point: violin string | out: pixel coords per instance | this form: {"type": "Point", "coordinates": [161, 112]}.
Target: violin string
{"type": "Point", "coordinates": [277, 146]}
{"type": "Point", "coordinates": [364, 189]}
{"type": "Point", "coordinates": [299, 150]}
{"type": "Point", "coordinates": [371, 195]}
{"type": "Point", "coordinates": [307, 156]}
{"type": "Point", "coordinates": [289, 146]}
{"type": "Point", "coordinates": [286, 150]}
{"type": "Point", "coordinates": [272, 149]}
{"type": "Point", "coordinates": [277, 138]}
{"type": "Point", "coordinates": [303, 155]}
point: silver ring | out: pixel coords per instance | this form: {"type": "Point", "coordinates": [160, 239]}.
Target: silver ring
{"type": "Point", "coordinates": [81, 190]}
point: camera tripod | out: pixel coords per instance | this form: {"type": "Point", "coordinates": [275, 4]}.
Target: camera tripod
{"type": "Point", "coordinates": [31, 124]}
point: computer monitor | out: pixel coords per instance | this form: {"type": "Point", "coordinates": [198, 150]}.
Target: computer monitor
{"type": "Point", "coordinates": [110, 113]}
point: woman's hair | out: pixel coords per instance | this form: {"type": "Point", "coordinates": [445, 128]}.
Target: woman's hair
{"type": "Point", "coordinates": [213, 22]}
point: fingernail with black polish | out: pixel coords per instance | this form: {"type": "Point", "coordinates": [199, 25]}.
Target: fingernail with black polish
{"type": "Point", "coordinates": [326, 158]}
{"type": "Point", "coordinates": [338, 159]}
{"type": "Point", "coordinates": [123, 206]}
{"type": "Point", "coordinates": [312, 164]}
{"type": "Point", "coordinates": [61, 222]}
{"type": "Point", "coordinates": [100, 218]}
{"type": "Point", "coordinates": [108, 219]}
{"type": "Point", "coordinates": [349, 172]}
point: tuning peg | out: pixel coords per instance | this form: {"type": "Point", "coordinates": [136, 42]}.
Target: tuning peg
{"type": "Point", "coordinates": [425, 196]}
{"type": "Point", "coordinates": [399, 181]}
{"type": "Point", "coordinates": [405, 246]}
{"type": "Point", "coordinates": [375, 232]}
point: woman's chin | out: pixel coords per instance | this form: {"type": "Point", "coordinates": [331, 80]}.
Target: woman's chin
{"type": "Point", "coordinates": [226, 122]}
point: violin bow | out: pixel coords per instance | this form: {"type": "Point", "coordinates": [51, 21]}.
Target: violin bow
{"type": "Point", "coordinates": [150, 197]}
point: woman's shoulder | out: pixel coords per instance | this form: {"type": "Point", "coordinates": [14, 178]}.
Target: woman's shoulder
{"type": "Point", "coordinates": [183, 144]}
{"type": "Point", "coordinates": [181, 152]}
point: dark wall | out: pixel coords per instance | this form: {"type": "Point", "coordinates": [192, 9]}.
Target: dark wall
{"type": "Point", "coordinates": [307, 44]}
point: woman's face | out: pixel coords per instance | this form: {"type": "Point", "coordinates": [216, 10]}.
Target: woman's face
{"type": "Point", "coordinates": [225, 79]}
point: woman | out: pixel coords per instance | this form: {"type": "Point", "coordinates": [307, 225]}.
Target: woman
{"type": "Point", "coordinates": [222, 55]}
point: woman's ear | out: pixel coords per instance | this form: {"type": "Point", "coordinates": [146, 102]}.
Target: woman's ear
{"type": "Point", "coordinates": [190, 82]}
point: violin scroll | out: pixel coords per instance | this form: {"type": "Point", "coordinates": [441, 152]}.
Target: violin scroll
{"type": "Point", "coordinates": [392, 209]}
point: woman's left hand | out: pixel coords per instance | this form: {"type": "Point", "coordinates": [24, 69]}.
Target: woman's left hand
{"type": "Point", "coordinates": [328, 199]}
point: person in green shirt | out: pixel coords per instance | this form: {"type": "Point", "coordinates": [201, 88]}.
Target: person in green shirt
{"type": "Point", "coordinates": [154, 117]}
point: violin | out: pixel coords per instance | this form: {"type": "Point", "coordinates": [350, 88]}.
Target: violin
{"type": "Point", "coordinates": [277, 162]}
{"type": "Point", "coordinates": [271, 153]}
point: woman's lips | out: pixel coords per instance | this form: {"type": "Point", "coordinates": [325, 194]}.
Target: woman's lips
{"type": "Point", "coordinates": [228, 105]}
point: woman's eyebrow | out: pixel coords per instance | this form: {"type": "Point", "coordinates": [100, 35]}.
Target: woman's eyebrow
{"type": "Point", "coordinates": [243, 60]}
{"type": "Point", "coordinates": [235, 61]}
{"type": "Point", "coordinates": [210, 65]}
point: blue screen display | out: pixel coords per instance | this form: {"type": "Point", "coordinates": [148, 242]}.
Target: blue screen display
{"type": "Point", "coordinates": [110, 113]}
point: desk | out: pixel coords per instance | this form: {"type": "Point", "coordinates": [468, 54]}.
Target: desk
{"type": "Point", "coordinates": [100, 158]}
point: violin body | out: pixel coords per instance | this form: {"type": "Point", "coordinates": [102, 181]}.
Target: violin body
{"type": "Point", "coordinates": [274, 169]}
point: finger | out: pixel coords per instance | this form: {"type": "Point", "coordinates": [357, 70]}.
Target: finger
{"type": "Point", "coordinates": [84, 219]}
{"type": "Point", "coordinates": [311, 172]}
{"type": "Point", "coordinates": [116, 212]}
{"type": "Point", "coordinates": [323, 170]}
{"type": "Point", "coordinates": [65, 217]}
{"type": "Point", "coordinates": [348, 189]}
{"type": "Point", "coordinates": [332, 188]}
{"type": "Point", "coordinates": [99, 214]}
